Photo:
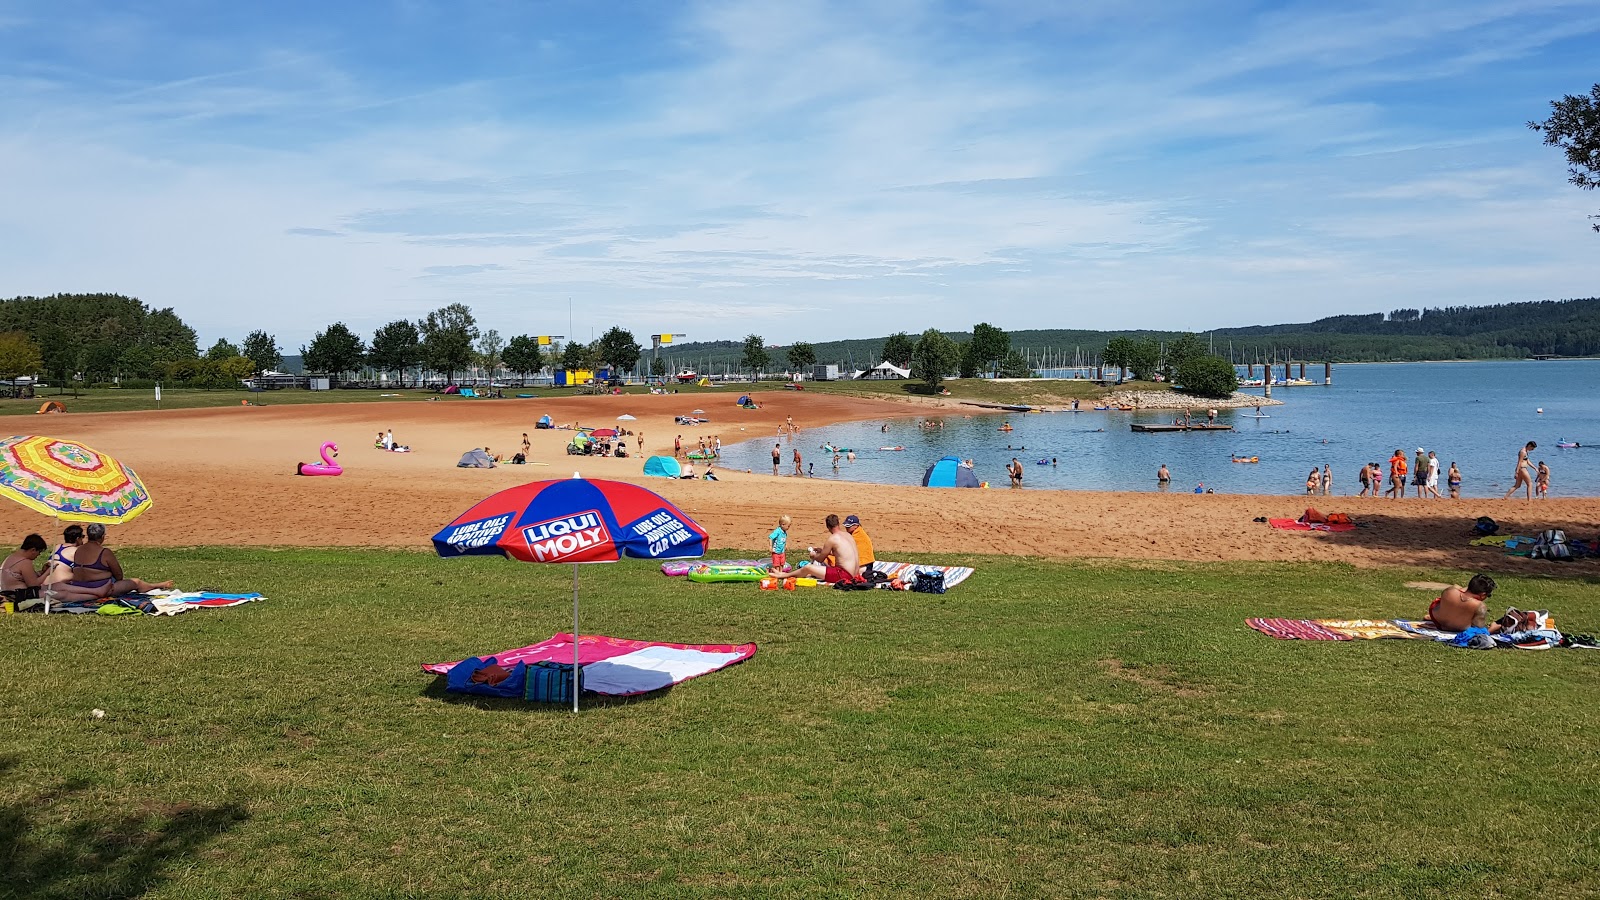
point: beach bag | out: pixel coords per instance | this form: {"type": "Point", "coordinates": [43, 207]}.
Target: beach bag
{"type": "Point", "coordinates": [928, 581]}
{"type": "Point", "coordinates": [551, 682]}
{"type": "Point", "coordinates": [1312, 517]}
{"type": "Point", "coordinates": [1486, 526]}
{"type": "Point", "coordinates": [1340, 519]}
{"type": "Point", "coordinates": [1552, 544]}
{"type": "Point", "coordinates": [519, 460]}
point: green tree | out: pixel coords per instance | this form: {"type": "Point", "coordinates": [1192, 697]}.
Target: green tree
{"type": "Point", "coordinates": [222, 349]}
{"type": "Point", "coordinates": [988, 346]}
{"type": "Point", "coordinates": [262, 349]}
{"type": "Point", "coordinates": [1208, 376]}
{"type": "Point", "coordinates": [489, 348]}
{"type": "Point", "coordinates": [523, 356]}
{"type": "Point", "coordinates": [574, 356]}
{"type": "Point", "coordinates": [1015, 365]}
{"type": "Point", "coordinates": [447, 337]}
{"type": "Point", "coordinates": [335, 351]}
{"type": "Point", "coordinates": [618, 349]}
{"type": "Point", "coordinates": [1180, 350]}
{"type": "Point", "coordinates": [755, 357]}
{"type": "Point", "coordinates": [802, 356]}
{"type": "Point", "coordinates": [1574, 126]}
{"type": "Point", "coordinates": [395, 348]}
{"type": "Point", "coordinates": [168, 337]}
{"type": "Point", "coordinates": [1119, 355]}
{"type": "Point", "coordinates": [19, 355]}
{"type": "Point", "coordinates": [1145, 359]}
{"type": "Point", "coordinates": [969, 364]}
{"type": "Point", "coordinates": [898, 349]}
{"type": "Point", "coordinates": [658, 367]}
{"type": "Point", "coordinates": [933, 358]}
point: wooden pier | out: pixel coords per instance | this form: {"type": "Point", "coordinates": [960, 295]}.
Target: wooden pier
{"type": "Point", "coordinates": [1196, 426]}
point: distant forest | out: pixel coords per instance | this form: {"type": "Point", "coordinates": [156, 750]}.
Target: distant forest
{"type": "Point", "coordinates": [1503, 331]}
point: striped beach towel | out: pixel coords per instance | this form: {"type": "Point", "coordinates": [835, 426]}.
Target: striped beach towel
{"type": "Point", "coordinates": [953, 575]}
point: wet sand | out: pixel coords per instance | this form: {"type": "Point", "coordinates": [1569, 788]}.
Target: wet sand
{"type": "Point", "coordinates": [225, 477]}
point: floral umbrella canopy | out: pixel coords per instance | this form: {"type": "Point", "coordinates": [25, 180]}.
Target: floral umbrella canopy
{"type": "Point", "coordinates": [69, 481]}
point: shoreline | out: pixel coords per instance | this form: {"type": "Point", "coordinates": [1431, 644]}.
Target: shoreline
{"type": "Point", "coordinates": [223, 477]}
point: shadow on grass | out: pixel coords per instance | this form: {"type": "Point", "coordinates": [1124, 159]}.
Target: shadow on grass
{"type": "Point", "coordinates": [98, 853]}
{"type": "Point", "coordinates": [436, 691]}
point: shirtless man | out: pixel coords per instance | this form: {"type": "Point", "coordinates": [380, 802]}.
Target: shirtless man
{"type": "Point", "coordinates": [1015, 471]}
{"type": "Point", "coordinates": [1522, 477]}
{"type": "Point", "coordinates": [797, 468]}
{"type": "Point", "coordinates": [1458, 609]}
{"type": "Point", "coordinates": [841, 546]}
{"type": "Point", "coordinates": [18, 578]}
{"type": "Point", "coordinates": [777, 457]}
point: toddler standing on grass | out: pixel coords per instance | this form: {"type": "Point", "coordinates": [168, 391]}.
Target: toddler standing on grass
{"type": "Point", "coordinates": [779, 540]}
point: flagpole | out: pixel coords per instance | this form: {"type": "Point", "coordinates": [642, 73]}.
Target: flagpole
{"type": "Point", "coordinates": [576, 669]}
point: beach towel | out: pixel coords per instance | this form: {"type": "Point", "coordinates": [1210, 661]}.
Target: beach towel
{"type": "Point", "coordinates": [615, 666]}
{"type": "Point", "coordinates": [1328, 629]}
{"type": "Point", "coordinates": [1292, 525]}
{"type": "Point", "coordinates": [155, 603]}
{"type": "Point", "coordinates": [953, 575]}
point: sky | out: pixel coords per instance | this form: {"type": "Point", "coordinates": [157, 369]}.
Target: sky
{"type": "Point", "coordinates": [799, 169]}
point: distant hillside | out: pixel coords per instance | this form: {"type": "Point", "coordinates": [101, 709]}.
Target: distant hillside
{"type": "Point", "coordinates": [1509, 330]}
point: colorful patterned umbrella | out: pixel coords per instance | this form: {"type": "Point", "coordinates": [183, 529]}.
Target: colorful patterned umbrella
{"type": "Point", "coordinates": [69, 481]}
{"type": "Point", "coordinates": [573, 521]}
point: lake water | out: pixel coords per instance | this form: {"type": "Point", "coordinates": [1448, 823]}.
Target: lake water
{"type": "Point", "coordinates": [1475, 413]}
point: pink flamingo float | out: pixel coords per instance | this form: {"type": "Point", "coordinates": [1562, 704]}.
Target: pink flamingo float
{"type": "Point", "coordinates": [328, 466]}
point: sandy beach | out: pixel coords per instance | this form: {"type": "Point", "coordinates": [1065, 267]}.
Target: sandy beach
{"type": "Point", "coordinates": [225, 476]}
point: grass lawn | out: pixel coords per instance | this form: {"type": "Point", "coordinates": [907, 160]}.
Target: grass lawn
{"type": "Point", "coordinates": [114, 400]}
{"type": "Point", "coordinates": [1047, 728]}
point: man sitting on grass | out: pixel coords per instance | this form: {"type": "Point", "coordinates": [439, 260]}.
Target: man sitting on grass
{"type": "Point", "coordinates": [1458, 609]}
{"type": "Point", "coordinates": [846, 565]}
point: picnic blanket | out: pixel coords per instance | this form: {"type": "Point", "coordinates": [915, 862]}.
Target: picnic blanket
{"type": "Point", "coordinates": [1414, 629]}
{"type": "Point", "coordinates": [155, 603]}
{"type": "Point", "coordinates": [953, 575]}
{"type": "Point", "coordinates": [620, 667]}
{"type": "Point", "coordinates": [1296, 525]}
{"type": "Point", "coordinates": [685, 566]}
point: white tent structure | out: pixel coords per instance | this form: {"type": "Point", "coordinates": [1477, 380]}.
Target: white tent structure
{"type": "Point", "coordinates": [884, 371]}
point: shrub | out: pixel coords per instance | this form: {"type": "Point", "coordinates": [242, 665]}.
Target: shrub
{"type": "Point", "coordinates": [1208, 376]}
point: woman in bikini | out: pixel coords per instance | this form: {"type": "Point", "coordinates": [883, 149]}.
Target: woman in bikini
{"type": "Point", "coordinates": [97, 573]}
{"type": "Point", "coordinates": [58, 567]}
{"type": "Point", "coordinates": [1453, 479]}
{"type": "Point", "coordinates": [1521, 477]}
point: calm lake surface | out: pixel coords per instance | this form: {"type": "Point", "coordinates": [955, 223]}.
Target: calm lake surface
{"type": "Point", "coordinates": [1476, 414]}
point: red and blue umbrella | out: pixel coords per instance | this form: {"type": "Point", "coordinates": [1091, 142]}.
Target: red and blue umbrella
{"type": "Point", "coordinates": [573, 521]}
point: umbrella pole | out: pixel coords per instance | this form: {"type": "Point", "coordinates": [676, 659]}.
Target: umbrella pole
{"type": "Point", "coordinates": [575, 667]}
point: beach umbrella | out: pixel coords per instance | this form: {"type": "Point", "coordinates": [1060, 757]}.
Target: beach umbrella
{"type": "Point", "coordinates": [575, 521]}
{"type": "Point", "coordinates": [603, 432]}
{"type": "Point", "coordinates": [69, 481]}
{"type": "Point", "coordinates": [626, 418]}
{"type": "Point", "coordinates": [698, 412]}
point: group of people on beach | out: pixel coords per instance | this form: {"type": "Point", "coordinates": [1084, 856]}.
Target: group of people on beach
{"type": "Point", "coordinates": [81, 568]}
{"type": "Point", "coordinates": [710, 446]}
{"type": "Point", "coordinates": [844, 557]}
{"type": "Point", "coordinates": [1424, 476]}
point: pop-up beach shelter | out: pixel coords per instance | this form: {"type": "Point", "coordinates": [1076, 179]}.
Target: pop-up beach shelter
{"type": "Point", "coordinates": [573, 521]}
{"type": "Point", "coordinates": [475, 459]}
{"type": "Point", "coordinates": [544, 422]}
{"type": "Point", "coordinates": [949, 472]}
{"type": "Point", "coordinates": [662, 467]}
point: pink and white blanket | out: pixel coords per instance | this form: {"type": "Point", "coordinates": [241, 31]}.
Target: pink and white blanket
{"type": "Point", "coordinates": [620, 667]}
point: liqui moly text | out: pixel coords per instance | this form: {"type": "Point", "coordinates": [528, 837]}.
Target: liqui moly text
{"type": "Point", "coordinates": [557, 539]}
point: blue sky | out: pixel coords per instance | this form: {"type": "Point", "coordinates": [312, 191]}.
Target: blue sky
{"type": "Point", "coordinates": [797, 169]}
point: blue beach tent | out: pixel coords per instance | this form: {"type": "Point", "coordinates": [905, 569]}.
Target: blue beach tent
{"type": "Point", "coordinates": [662, 467]}
{"type": "Point", "coordinates": [949, 472]}
{"type": "Point", "coordinates": [544, 422]}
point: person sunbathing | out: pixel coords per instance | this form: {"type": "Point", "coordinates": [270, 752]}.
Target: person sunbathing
{"type": "Point", "coordinates": [1457, 608]}
{"type": "Point", "coordinates": [97, 573]}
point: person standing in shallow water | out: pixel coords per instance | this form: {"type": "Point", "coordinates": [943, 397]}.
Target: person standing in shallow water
{"type": "Point", "coordinates": [1327, 480]}
{"type": "Point", "coordinates": [1453, 478]}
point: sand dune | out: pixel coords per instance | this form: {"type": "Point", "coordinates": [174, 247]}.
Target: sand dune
{"type": "Point", "coordinates": [225, 476]}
